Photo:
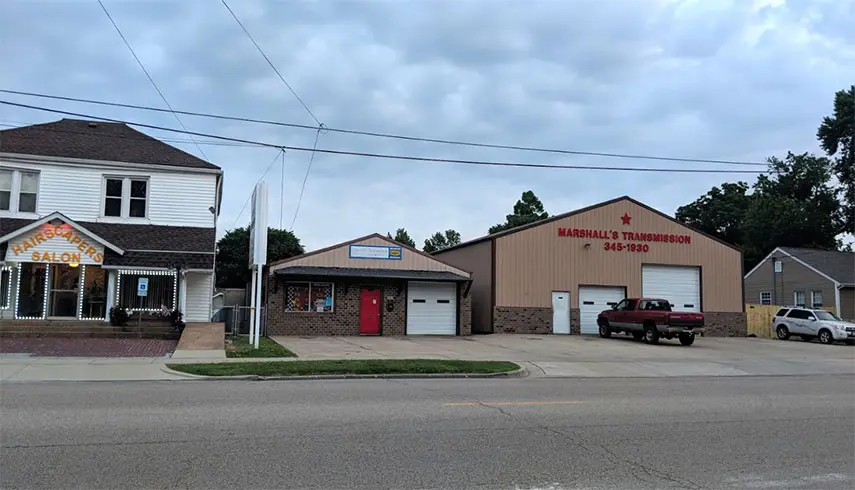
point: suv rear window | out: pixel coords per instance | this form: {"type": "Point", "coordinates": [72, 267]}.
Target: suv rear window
{"type": "Point", "coordinates": [781, 312]}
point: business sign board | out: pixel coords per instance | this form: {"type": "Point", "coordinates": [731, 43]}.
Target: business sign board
{"type": "Point", "coordinates": [376, 252]}
{"type": "Point", "coordinates": [258, 226]}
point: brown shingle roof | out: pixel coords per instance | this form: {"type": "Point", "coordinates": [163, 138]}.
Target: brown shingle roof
{"type": "Point", "coordinates": [96, 140]}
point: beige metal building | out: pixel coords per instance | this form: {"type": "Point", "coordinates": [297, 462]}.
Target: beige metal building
{"type": "Point", "coordinates": [556, 275]}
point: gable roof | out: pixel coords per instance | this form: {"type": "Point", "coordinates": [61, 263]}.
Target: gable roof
{"type": "Point", "coordinates": [580, 211]}
{"type": "Point", "coordinates": [360, 239]}
{"type": "Point", "coordinates": [58, 215]}
{"type": "Point", "coordinates": [840, 266]}
{"type": "Point", "coordinates": [96, 140]}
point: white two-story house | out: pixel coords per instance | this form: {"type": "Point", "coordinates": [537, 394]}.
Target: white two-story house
{"type": "Point", "coordinates": [88, 208]}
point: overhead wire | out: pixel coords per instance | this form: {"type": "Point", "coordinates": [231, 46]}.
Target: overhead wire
{"type": "Point", "coordinates": [147, 74]}
{"type": "Point", "coordinates": [305, 179]}
{"type": "Point", "coordinates": [383, 155]}
{"type": "Point", "coordinates": [627, 156]}
{"type": "Point", "coordinates": [246, 203]}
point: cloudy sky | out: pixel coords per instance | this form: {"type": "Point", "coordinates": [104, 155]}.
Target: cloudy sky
{"type": "Point", "coordinates": [711, 79]}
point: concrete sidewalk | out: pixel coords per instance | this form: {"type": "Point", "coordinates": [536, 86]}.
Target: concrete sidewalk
{"type": "Point", "coordinates": [26, 368]}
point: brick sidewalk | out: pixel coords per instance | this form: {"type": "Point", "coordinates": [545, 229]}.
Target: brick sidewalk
{"type": "Point", "coordinates": [88, 347]}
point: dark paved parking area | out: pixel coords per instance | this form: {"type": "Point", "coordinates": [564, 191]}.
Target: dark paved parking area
{"type": "Point", "coordinates": [88, 347]}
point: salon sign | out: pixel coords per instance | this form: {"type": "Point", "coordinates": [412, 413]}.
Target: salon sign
{"type": "Point", "coordinates": [55, 243]}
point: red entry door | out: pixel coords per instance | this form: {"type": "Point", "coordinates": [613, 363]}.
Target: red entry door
{"type": "Point", "coordinates": [369, 312]}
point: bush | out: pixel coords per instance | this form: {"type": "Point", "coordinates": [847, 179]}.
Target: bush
{"type": "Point", "coordinates": [118, 317]}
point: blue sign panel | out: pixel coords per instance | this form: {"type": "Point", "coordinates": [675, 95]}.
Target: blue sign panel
{"type": "Point", "coordinates": [376, 252]}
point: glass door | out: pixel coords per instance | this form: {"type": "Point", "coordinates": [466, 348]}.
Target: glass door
{"type": "Point", "coordinates": [64, 290]}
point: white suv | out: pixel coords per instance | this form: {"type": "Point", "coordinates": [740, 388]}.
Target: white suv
{"type": "Point", "coordinates": [809, 323]}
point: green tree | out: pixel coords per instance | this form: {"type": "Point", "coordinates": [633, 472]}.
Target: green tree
{"type": "Point", "coordinates": [836, 136]}
{"type": "Point", "coordinates": [439, 241]}
{"type": "Point", "coordinates": [233, 254]}
{"type": "Point", "coordinates": [527, 210]}
{"type": "Point", "coordinates": [720, 212]}
{"type": "Point", "coordinates": [401, 236]}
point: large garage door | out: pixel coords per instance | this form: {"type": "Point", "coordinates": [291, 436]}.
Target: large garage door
{"type": "Point", "coordinates": [679, 285]}
{"type": "Point", "coordinates": [431, 308]}
{"type": "Point", "coordinates": [593, 300]}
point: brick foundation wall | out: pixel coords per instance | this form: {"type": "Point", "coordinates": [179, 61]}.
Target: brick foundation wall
{"type": "Point", "coordinates": [725, 324]}
{"type": "Point", "coordinates": [528, 320]}
{"type": "Point", "coordinates": [344, 319]}
{"type": "Point", "coordinates": [464, 311]}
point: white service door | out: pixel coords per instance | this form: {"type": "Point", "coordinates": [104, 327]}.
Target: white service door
{"type": "Point", "coordinates": [679, 285]}
{"type": "Point", "coordinates": [593, 300]}
{"type": "Point", "coordinates": [431, 308]}
{"type": "Point", "coordinates": [561, 312]}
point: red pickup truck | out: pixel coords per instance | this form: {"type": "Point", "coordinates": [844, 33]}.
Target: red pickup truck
{"type": "Point", "coordinates": [650, 319]}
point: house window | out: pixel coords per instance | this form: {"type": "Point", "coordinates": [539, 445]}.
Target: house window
{"type": "Point", "coordinates": [816, 299]}
{"type": "Point", "coordinates": [161, 293]}
{"type": "Point", "coordinates": [799, 298]}
{"type": "Point", "coordinates": [766, 298]}
{"type": "Point", "coordinates": [19, 190]}
{"type": "Point", "coordinates": [309, 296]}
{"type": "Point", "coordinates": [125, 197]}
{"type": "Point", "coordinates": [5, 287]}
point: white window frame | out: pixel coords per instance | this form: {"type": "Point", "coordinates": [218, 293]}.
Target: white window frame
{"type": "Point", "coordinates": [813, 295]}
{"type": "Point", "coordinates": [309, 306]}
{"type": "Point", "coordinates": [803, 304]}
{"type": "Point", "coordinates": [15, 191]}
{"type": "Point", "coordinates": [765, 297]}
{"type": "Point", "coordinates": [125, 212]}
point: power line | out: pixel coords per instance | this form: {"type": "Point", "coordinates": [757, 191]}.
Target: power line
{"type": "Point", "coordinates": [306, 178]}
{"type": "Point", "coordinates": [395, 136]}
{"type": "Point", "coordinates": [245, 31]}
{"type": "Point", "coordinates": [386, 156]}
{"type": "Point", "coordinates": [243, 208]}
{"type": "Point", "coordinates": [147, 74]}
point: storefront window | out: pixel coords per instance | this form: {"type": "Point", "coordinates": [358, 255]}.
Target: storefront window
{"type": "Point", "coordinates": [161, 293]}
{"type": "Point", "coordinates": [94, 293]}
{"type": "Point", "coordinates": [5, 287]}
{"type": "Point", "coordinates": [31, 291]}
{"type": "Point", "coordinates": [309, 296]}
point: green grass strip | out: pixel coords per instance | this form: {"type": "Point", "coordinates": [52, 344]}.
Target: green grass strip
{"type": "Point", "coordinates": [240, 347]}
{"type": "Point", "coordinates": [347, 366]}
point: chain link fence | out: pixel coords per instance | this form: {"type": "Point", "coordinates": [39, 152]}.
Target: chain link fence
{"type": "Point", "coordinates": [237, 319]}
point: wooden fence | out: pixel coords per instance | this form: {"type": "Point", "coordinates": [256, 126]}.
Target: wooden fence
{"type": "Point", "coordinates": [759, 318]}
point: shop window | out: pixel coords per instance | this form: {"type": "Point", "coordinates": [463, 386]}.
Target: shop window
{"type": "Point", "coordinates": [161, 295]}
{"type": "Point", "coordinates": [309, 296]}
{"type": "Point", "coordinates": [32, 291]}
{"type": "Point", "coordinates": [765, 297]}
{"type": "Point", "coordinates": [125, 197]}
{"type": "Point", "coordinates": [18, 191]}
{"type": "Point", "coordinates": [5, 287]}
{"type": "Point", "coordinates": [816, 299]}
{"type": "Point", "coordinates": [93, 291]}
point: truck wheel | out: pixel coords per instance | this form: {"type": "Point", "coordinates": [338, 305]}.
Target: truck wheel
{"type": "Point", "coordinates": [651, 335]}
{"type": "Point", "coordinates": [782, 332]}
{"type": "Point", "coordinates": [638, 335]}
{"type": "Point", "coordinates": [687, 338]}
{"type": "Point", "coordinates": [825, 337]}
{"type": "Point", "coordinates": [605, 331]}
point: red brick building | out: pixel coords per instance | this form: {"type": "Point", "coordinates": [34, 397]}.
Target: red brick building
{"type": "Point", "coordinates": [368, 286]}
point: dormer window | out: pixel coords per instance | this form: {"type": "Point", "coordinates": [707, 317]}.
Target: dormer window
{"type": "Point", "coordinates": [19, 190]}
{"type": "Point", "coordinates": [126, 197]}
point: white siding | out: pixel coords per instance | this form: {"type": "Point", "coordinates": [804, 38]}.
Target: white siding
{"type": "Point", "coordinates": [200, 289]}
{"type": "Point", "coordinates": [431, 308]}
{"type": "Point", "coordinates": [175, 198]}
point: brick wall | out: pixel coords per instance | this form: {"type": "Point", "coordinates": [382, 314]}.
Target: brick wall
{"type": "Point", "coordinates": [464, 310]}
{"type": "Point", "coordinates": [529, 320]}
{"type": "Point", "coordinates": [344, 319]}
{"type": "Point", "coordinates": [723, 324]}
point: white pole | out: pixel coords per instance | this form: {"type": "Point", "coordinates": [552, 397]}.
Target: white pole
{"type": "Point", "coordinates": [252, 306]}
{"type": "Point", "coordinates": [258, 277]}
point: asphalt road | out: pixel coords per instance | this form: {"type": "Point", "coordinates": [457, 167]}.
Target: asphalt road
{"type": "Point", "coordinates": [749, 432]}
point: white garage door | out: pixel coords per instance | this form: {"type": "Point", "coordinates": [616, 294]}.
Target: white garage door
{"type": "Point", "coordinates": [593, 300]}
{"type": "Point", "coordinates": [679, 285]}
{"type": "Point", "coordinates": [431, 308]}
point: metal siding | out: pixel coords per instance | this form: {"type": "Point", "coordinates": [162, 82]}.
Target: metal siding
{"type": "Point", "coordinates": [794, 277]}
{"type": "Point", "coordinates": [478, 259]}
{"type": "Point", "coordinates": [533, 262]}
{"type": "Point", "coordinates": [340, 257]}
{"type": "Point", "coordinates": [176, 199]}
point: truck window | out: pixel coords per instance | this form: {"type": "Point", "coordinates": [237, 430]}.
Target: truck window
{"type": "Point", "coordinates": [630, 304]}
{"type": "Point", "coordinates": [655, 305]}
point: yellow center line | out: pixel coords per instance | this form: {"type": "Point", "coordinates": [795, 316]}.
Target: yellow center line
{"type": "Point", "coordinates": [476, 404]}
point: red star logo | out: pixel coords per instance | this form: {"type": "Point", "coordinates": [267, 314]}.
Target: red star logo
{"type": "Point", "coordinates": [625, 218]}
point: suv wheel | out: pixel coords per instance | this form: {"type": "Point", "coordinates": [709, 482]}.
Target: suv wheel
{"type": "Point", "coordinates": [825, 337]}
{"type": "Point", "coordinates": [605, 331]}
{"type": "Point", "coordinates": [651, 335]}
{"type": "Point", "coordinates": [783, 332]}
{"type": "Point", "coordinates": [687, 338]}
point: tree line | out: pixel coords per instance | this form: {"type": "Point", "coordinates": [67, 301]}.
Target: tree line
{"type": "Point", "coordinates": [802, 200]}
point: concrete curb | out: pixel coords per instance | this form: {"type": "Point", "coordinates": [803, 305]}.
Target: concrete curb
{"type": "Point", "coordinates": [519, 373]}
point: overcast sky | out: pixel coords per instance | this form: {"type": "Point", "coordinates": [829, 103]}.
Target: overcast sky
{"type": "Point", "coordinates": [712, 79]}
